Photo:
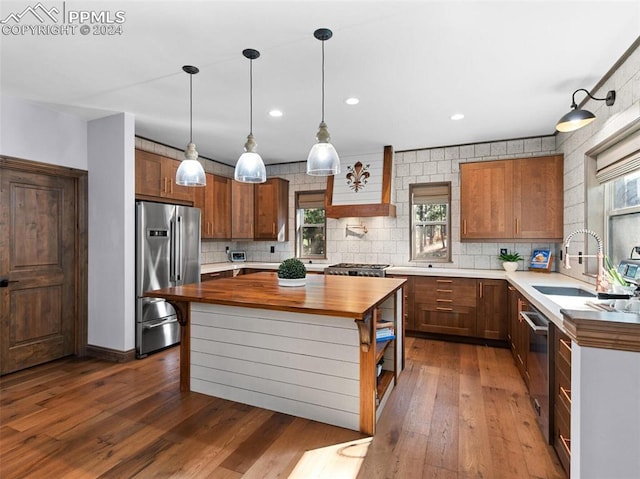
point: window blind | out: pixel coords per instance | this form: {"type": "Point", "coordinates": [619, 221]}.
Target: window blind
{"type": "Point", "coordinates": [619, 159]}
{"type": "Point", "coordinates": [430, 194]}
{"type": "Point", "coordinates": [310, 199]}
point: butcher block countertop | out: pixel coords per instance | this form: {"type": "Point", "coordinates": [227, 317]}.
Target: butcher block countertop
{"type": "Point", "coordinates": [344, 296]}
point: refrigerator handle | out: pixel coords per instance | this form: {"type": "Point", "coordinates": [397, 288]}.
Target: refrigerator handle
{"type": "Point", "coordinates": [179, 254]}
{"type": "Point", "coordinates": [172, 251]}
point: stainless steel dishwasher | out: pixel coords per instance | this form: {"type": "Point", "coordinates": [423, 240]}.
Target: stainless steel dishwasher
{"type": "Point", "coordinates": [538, 366]}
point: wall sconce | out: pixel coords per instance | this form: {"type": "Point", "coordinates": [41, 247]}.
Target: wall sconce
{"type": "Point", "coordinates": [577, 118]}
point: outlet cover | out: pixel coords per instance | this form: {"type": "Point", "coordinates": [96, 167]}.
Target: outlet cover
{"type": "Point", "coordinates": [272, 249]}
{"type": "Point", "coordinates": [503, 250]}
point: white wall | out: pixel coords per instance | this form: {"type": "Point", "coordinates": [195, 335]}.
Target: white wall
{"type": "Point", "coordinates": [111, 164]}
{"type": "Point", "coordinates": [32, 131]}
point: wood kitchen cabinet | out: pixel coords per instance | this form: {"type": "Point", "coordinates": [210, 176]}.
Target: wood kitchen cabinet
{"type": "Point", "coordinates": [214, 201]}
{"type": "Point", "coordinates": [242, 204]}
{"type": "Point", "coordinates": [520, 199]}
{"type": "Point", "coordinates": [271, 210]}
{"type": "Point", "coordinates": [156, 179]}
{"type": "Point", "coordinates": [561, 396]}
{"type": "Point", "coordinates": [217, 275]}
{"type": "Point", "coordinates": [456, 306]}
{"type": "Point", "coordinates": [444, 305]}
{"type": "Point", "coordinates": [492, 315]}
{"type": "Point", "coordinates": [519, 332]}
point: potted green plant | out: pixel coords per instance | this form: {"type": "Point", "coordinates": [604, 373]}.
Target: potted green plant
{"type": "Point", "coordinates": [292, 272]}
{"type": "Point", "coordinates": [510, 261]}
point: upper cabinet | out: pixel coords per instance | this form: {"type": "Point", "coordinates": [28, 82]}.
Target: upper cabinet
{"type": "Point", "coordinates": [271, 210]}
{"type": "Point", "coordinates": [156, 179]}
{"type": "Point", "coordinates": [214, 200]}
{"type": "Point", "coordinates": [242, 195]}
{"type": "Point", "coordinates": [519, 199]}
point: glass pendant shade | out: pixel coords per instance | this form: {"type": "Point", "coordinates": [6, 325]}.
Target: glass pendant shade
{"type": "Point", "coordinates": [190, 171]}
{"type": "Point", "coordinates": [250, 167]}
{"type": "Point", "coordinates": [575, 120]}
{"type": "Point", "coordinates": [323, 159]}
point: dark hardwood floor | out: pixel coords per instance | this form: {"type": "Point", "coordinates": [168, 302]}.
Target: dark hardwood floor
{"type": "Point", "coordinates": [459, 411]}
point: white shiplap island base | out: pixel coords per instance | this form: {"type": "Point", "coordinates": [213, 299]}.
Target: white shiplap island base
{"type": "Point", "coordinates": [282, 361]}
{"type": "Point", "coordinates": [309, 352]}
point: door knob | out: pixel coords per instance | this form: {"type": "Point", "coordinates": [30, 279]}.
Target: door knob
{"type": "Point", "coordinates": [4, 282]}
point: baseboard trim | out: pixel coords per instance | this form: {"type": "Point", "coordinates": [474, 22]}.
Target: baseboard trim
{"type": "Point", "coordinates": [108, 354]}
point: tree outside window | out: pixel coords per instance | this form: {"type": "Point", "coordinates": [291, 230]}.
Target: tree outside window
{"type": "Point", "coordinates": [430, 204]}
{"type": "Point", "coordinates": [311, 225]}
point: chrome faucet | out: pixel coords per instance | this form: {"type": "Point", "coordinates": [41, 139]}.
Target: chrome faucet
{"type": "Point", "coordinates": [601, 283]}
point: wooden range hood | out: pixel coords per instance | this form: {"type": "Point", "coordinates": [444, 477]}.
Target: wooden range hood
{"type": "Point", "coordinates": [383, 208]}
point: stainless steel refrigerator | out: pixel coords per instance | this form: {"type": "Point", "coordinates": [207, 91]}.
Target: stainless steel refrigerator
{"type": "Point", "coordinates": [167, 254]}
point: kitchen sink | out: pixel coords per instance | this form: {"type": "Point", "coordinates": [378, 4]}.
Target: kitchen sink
{"type": "Point", "coordinates": [564, 291]}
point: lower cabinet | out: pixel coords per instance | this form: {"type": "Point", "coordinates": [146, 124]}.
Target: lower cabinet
{"type": "Point", "coordinates": [456, 306]}
{"type": "Point", "coordinates": [491, 321]}
{"type": "Point", "coordinates": [444, 305]}
{"type": "Point", "coordinates": [518, 332]}
{"type": "Point", "coordinates": [561, 396]}
{"type": "Point", "coordinates": [217, 275]}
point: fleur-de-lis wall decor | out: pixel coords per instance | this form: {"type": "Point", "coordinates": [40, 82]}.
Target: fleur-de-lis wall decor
{"type": "Point", "coordinates": [357, 176]}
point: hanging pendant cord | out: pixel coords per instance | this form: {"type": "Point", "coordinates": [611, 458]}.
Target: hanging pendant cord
{"type": "Point", "coordinates": [322, 80]}
{"type": "Point", "coordinates": [251, 97]}
{"type": "Point", "coordinates": [190, 108]}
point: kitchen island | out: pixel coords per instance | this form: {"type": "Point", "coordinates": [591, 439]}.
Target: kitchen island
{"type": "Point", "coordinates": [307, 351]}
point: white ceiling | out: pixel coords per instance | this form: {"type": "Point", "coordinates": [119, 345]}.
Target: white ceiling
{"type": "Point", "coordinates": [509, 66]}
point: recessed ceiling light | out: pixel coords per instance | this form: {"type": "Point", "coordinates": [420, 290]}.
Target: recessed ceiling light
{"type": "Point", "coordinates": [352, 101]}
{"type": "Point", "coordinates": [457, 116]}
{"type": "Point", "coordinates": [275, 113]}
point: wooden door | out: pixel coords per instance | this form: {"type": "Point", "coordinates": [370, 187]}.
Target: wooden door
{"type": "Point", "coordinates": [38, 255]}
{"type": "Point", "coordinates": [486, 200]}
{"type": "Point", "coordinates": [203, 199]}
{"type": "Point", "coordinates": [265, 209]}
{"type": "Point", "coordinates": [149, 180]}
{"type": "Point", "coordinates": [171, 190]}
{"type": "Point", "coordinates": [221, 207]}
{"type": "Point", "coordinates": [538, 198]}
{"type": "Point", "coordinates": [242, 210]}
{"type": "Point", "coordinates": [492, 312]}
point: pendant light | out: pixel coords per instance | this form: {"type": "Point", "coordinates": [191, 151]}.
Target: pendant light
{"type": "Point", "coordinates": [190, 171]}
{"type": "Point", "coordinates": [323, 158]}
{"type": "Point", "coordinates": [250, 167]}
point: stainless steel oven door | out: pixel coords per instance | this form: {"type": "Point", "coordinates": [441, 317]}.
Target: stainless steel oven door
{"type": "Point", "coordinates": [538, 366]}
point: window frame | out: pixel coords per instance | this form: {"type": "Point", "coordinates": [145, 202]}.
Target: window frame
{"type": "Point", "coordinates": [299, 216]}
{"type": "Point", "coordinates": [446, 223]}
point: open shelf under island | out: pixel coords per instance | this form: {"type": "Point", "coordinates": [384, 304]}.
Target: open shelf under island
{"type": "Point", "coordinates": [307, 351]}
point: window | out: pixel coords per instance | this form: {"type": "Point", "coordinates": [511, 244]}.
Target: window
{"type": "Point", "coordinates": [311, 225]}
{"type": "Point", "coordinates": [430, 218]}
{"type": "Point", "coordinates": [623, 215]}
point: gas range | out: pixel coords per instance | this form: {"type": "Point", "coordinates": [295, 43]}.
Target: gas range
{"type": "Point", "coordinates": [357, 269]}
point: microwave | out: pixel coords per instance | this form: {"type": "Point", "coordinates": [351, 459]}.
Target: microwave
{"type": "Point", "coordinates": [238, 256]}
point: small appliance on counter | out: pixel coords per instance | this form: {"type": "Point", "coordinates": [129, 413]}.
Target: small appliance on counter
{"type": "Point", "coordinates": [238, 256]}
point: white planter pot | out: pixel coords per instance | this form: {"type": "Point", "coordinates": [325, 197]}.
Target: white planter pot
{"type": "Point", "coordinates": [510, 266]}
{"type": "Point", "coordinates": [292, 282]}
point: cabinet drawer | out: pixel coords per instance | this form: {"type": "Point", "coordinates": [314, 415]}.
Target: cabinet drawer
{"type": "Point", "coordinates": [564, 349]}
{"type": "Point", "coordinates": [562, 437]}
{"type": "Point", "coordinates": [213, 276]}
{"type": "Point", "coordinates": [459, 322]}
{"type": "Point", "coordinates": [440, 291]}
